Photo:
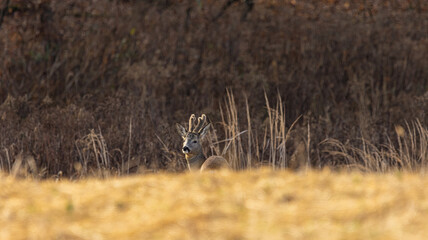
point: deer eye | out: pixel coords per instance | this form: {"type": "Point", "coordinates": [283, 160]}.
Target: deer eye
{"type": "Point", "coordinates": [194, 141]}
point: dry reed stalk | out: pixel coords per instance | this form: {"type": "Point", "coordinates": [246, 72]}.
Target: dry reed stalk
{"type": "Point", "coordinates": [92, 148]}
{"type": "Point", "coordinates": [409, 153]}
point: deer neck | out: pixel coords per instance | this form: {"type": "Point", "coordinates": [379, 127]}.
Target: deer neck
{"type": "Point", "coordinates": [194, 162]}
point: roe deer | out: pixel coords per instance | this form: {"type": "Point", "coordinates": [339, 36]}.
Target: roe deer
{"type": "Point", "coordinates": [192, 147]}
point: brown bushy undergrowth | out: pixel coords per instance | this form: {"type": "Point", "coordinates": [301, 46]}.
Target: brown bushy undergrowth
{"type": "Point", "coordinates": [95, 87]}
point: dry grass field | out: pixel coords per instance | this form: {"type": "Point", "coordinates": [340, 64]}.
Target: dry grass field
{"type": "Point", "coordinates": [259, 204]}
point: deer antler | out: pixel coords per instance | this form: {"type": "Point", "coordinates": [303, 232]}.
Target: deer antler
{"type": "Point", "coordinates": [201, 123]}
{"type": "Point", "coordinates": [191, 122]}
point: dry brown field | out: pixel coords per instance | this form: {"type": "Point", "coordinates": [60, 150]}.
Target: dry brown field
{"type": "Point", "coordinates": [261, 204]}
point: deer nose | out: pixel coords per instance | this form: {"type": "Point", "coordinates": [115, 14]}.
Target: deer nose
{"type": "Point", "coordinates": [186, 150]}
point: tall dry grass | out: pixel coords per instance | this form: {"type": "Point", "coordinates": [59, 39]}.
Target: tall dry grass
{"type": "Point", "coordinates": [246, 146]}
{"type": "Point", "coordinates": [409, 152]}
{"type": "Point", "coordinates": [243, 150]}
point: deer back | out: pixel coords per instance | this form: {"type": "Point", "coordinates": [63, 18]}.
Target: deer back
{"type": "Point", "coordinates": [214, 162]}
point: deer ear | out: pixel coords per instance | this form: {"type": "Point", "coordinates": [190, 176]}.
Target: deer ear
{"type": "Point", "coordinates": [181, 130]}
{"type": "Point", "coordinates": [204, 131]}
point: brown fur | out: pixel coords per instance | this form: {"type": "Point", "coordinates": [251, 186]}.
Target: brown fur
{"type": "Point", "coordinates": [214, 163]}
{"type": "Point", "coordinates": [202, 163]}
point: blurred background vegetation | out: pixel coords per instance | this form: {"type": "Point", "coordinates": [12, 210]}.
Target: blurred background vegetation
{"type": "Point", "coordinates": [98, 85]}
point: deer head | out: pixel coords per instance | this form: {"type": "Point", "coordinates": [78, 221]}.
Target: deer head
{"type": "Point", "coordinates": [192, 137]}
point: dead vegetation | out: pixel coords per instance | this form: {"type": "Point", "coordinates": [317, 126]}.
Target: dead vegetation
{"type": "Point", "coordinates": [259, 204]}
{"type": "Point", "coordinates": [95, 87]}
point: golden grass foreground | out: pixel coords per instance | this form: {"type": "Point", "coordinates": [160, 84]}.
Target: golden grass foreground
{"type": "Point", "coordinates": [259, 204]}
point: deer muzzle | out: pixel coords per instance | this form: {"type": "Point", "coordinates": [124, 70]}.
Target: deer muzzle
{"type": "Point", "coordinates": [185, 150]}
